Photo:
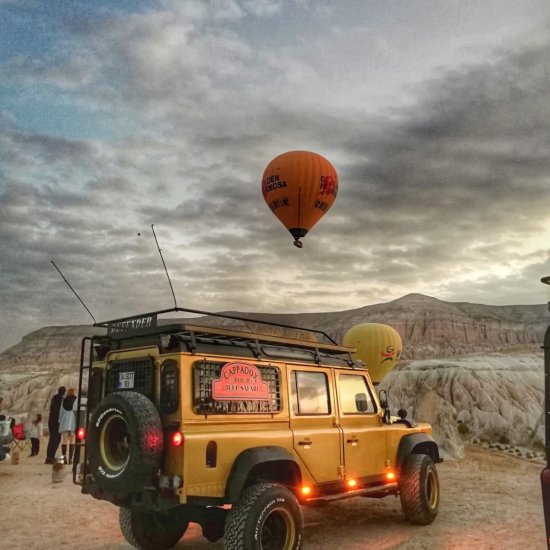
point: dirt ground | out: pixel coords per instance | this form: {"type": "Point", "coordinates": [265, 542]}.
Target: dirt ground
{"type": "Point", "coordinates": [488, 501]}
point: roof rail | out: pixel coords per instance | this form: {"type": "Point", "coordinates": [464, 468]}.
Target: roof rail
{"type": "Point", "coordinates": [150, 320]}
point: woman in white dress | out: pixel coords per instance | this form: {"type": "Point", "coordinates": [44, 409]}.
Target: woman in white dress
{"type": "Point", "coordinates": [67, 424]}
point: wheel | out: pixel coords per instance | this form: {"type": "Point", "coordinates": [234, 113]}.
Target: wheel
{"type": "Point", "coordinates": [419, 489]}
{"type": "Point", "coordinates": [267, 517]}
{"type": "Point", "coordinates": [124, 442]}
{"type": "Point", "coordinates": [150, 530]}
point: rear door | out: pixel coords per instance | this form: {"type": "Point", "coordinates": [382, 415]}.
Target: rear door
{"type": "Point", "coordinates": [316, 435]}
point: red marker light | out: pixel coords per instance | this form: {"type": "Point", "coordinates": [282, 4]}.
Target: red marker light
{"type": "Point", "coordinates": [177, 439]}
{"type": "Point", "coordinates": [81, 433]}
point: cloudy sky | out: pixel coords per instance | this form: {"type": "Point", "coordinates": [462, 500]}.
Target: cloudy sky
{"type": "Point", "coordinates": [115, 115]}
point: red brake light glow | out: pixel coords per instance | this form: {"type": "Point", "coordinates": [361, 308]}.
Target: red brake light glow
{"type": "Point", "coordinates": [81, 433]}
{"type": "Point", "coordinates": [177, 439]}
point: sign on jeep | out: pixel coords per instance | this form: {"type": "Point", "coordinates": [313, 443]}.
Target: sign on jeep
{"type": "Point", "coordinates": [238, 427]}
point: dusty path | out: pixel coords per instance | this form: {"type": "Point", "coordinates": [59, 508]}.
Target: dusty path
{"type": "Point", "coordinates": [488, 501]}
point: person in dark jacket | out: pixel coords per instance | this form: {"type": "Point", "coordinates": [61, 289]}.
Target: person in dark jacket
{"type": "Point", "coordinates": [53, 425]}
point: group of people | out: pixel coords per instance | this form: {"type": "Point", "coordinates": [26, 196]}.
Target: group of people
{"type": "Point", "coordinates": [61, 425]}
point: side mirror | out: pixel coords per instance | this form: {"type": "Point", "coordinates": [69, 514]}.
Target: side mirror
{"type": "Point", "coordinates": [361, 402]}
{"type": "Point", "coordinates": [383, 396]}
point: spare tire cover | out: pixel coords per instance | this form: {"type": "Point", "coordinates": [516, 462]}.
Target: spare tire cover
{"type": "Point", "coordinates": [124, 442]}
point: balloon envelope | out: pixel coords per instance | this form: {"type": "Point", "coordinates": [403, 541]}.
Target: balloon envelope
{"type": "Point", "coordinates": [378, 346]}
{"type": "Point", "coordinates": [299, 187]}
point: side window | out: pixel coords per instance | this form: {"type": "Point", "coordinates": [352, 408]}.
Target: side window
{"type": "Point", "coordinates": [310, 393]}
{"type": "Point", "coordinates": [355, 396]}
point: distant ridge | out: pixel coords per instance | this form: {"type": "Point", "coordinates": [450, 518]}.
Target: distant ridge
{"type": "Point", "coordinates": [468, 368]}
{"type": "Point", "coordinates": [428, 326]}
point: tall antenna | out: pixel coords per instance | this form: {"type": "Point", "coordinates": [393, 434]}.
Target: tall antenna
{"type": "Point", "coordinates": [164, 264]}
{"type": "Point", "coordinates": [74, 291]}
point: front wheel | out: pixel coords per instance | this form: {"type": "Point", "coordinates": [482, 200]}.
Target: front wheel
{"type": "Point", "coordinates": [419, 489]}
{"type": "Point", "coordinates": [268, 517]}
{"type": "Point", "coordinates": [151, 530]}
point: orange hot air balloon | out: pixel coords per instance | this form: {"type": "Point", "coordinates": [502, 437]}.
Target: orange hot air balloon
{"type": "Point", "coordinates": [299, 187]}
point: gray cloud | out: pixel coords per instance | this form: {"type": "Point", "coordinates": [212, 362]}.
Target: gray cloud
{"type": "Point", "coordinates": [444, 196]}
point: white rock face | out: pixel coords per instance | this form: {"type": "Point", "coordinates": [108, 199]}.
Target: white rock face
{"type": "Point", "coordinates": [497, 397]}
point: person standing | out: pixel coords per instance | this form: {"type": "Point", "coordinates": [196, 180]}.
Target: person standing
{"type": "Point", "coordinates": [53, 425]}
{"type": "Point", "coordinates": [67, 424]}
{"type": "Point", "coordinates": [5, 437]}
{"type": "Point", "coordinates": [35, 433]}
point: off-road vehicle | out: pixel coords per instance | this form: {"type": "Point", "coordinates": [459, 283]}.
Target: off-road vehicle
{"type": "Point", "coordinates": [236, 427]}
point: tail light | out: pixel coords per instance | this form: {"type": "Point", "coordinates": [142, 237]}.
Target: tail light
{"type": "Point", "coordinates": [177, 439]}
{"type": "Point", "coordinates": [81, 433]}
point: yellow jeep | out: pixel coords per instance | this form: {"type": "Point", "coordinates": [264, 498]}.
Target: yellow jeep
{"type": "Point", "coordinates": [236, 427]}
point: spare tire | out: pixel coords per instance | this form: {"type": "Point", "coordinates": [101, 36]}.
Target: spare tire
{"type": "Point", "coordinates": [125, 442]}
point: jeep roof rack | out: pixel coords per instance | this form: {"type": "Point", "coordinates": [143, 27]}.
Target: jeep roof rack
{"type": "Point", "coordinates": [273, 333]}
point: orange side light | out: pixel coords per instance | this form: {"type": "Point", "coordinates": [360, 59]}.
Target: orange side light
{"type": "Point", "coordinates": [390, 474]}
{"type": "Point", "coordinates": [351, 483]}
{"type": "Point", "coordinates": [306, 490]}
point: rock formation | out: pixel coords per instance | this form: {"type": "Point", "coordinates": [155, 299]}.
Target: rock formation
{"type": "Point", "coordinates": [472, 371]}
{"type": "Point", "coordinates": [496, 397]}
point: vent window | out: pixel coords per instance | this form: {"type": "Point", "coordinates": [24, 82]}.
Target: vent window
{"type": "Point", "coordinates": [131, 375]}
{"type": "Point", "coordinates": [205, 373]}
{"type": "Point", "coordinates": [169, 386]}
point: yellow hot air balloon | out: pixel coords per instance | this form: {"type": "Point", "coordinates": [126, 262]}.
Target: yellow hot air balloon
{"type": "Point", "coordinates": [299, 187]}
{"type": "Point", "coordinates": [378, 346]}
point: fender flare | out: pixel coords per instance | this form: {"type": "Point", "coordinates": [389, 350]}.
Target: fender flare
{"type": "Point", "coordinates": [417, 443]}
{"type": "Point", "coordinates": [248, 459]}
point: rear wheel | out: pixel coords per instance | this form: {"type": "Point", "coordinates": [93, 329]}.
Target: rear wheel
{"type": "Point", "coordinates": [268, 517]}
{"type": "Point", "coordinates": [125, 442]}
{"type": "Point", "coordinates": [419, 489]}
{"type": "Point", "coordinates": [151, 530]}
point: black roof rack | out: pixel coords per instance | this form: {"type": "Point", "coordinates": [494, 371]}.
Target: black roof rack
{"type": "Point", "coordinates": [255, 329]}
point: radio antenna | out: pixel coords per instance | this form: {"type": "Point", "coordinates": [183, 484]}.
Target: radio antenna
{"type": "Point", "coordinates": [164, 264]}
{"type": "Point", "coordinates": [74, 291]}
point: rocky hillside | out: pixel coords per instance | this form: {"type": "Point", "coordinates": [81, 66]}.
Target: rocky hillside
{"type": "Point", "coordinates": [493, 398]}
{"type": "Point", "coordinates": [433, 328]}
{"type": "Point", "coordinates": [473, 371]}
{"type": "Point", "coordinates": [48, 349]}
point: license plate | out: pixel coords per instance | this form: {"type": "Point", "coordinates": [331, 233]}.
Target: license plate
{"type": "Point", "coordinates": [125, 380]}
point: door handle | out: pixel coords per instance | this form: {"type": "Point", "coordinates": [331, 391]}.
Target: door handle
{"type": "Point", "coordinates": [353, 441]}
{"type": "Point", "coordinates": [308, 443]}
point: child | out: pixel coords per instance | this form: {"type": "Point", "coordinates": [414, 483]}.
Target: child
{"type": "Point", "coordinates": [35, 434]}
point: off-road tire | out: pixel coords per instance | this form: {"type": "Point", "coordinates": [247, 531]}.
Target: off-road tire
{"type": "Point", "coordinates": [150, 530]}
{"type": "Point", "coordinates": [419, 489]}
{"type": "Point", "coordinates": [125, 442]}
{"type": "Point", "coordinates": [267, 517]}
